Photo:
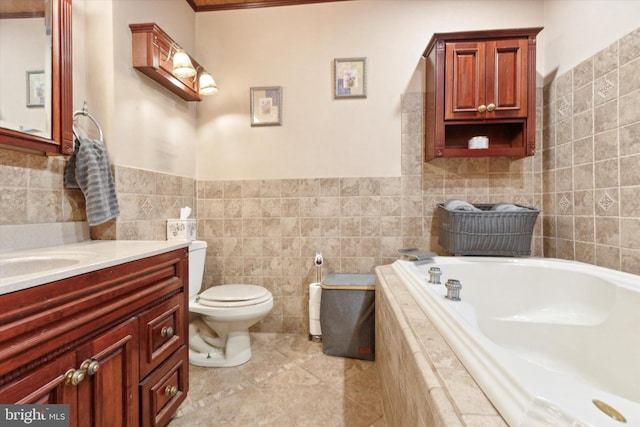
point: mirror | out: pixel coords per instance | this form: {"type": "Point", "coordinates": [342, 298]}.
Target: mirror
{"type": "Point", "coordinates": [36, 76]}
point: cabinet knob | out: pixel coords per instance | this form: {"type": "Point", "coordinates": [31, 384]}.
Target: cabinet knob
{"type": "Point", "coordinates": [482, 108]}
{"type": "Point", "coordinates": [74, 376]}
{"type": "Point", "coordinates": [167, 331]}
{"type": "Point", "coordinates": [90, 366]}
{"type": "Point", "coordinates": [171, 390]}
{"type": "Point", "coordinates": [491, 107]}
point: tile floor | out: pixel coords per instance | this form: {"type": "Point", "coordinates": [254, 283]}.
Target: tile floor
{"type": "Point", "coordinates": [287, 382]}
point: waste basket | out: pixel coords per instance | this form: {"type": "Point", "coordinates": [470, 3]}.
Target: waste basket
{"type": "Point", "coordinates": [347, 315]}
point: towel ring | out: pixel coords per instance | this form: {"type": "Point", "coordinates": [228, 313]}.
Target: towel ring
{"type": "Point", "coordinates": [85, 112]}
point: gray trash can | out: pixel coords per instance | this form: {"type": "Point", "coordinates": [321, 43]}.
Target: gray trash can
{"type": "Point", "coordinates": [347, 315]}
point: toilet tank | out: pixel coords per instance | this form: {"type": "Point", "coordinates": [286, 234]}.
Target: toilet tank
{"type": "Point", "coordinates": [197, 252]}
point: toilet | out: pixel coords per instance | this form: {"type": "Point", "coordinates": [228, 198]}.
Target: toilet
{"type": "Point", "coordinates": [220, 317]}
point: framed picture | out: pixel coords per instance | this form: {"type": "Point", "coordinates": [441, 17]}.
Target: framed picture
{"type": "Point", "coordinates": [266, 106]}
{"type": "Point", "coordinates": [36, 89]}
{"type": "Point", "coordinates": [350, 76]}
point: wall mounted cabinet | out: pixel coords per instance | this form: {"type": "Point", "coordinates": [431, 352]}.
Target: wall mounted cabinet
{"type": "Point", "coordinates": [481, 83]}
{"type": "Point", "coordinates": [151, 55]}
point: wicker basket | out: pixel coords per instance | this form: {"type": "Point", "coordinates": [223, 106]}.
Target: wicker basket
{"type": "Point", "coordinates": [487, 232]}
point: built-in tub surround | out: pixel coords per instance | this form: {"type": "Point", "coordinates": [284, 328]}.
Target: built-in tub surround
{"type": "Point", "coordinates": [544, 338]}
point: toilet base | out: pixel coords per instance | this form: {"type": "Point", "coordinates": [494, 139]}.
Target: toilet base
{"type": "Point", "coordinates": [205, 352]}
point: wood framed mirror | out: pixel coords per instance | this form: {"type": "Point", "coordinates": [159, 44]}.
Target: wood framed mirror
{"type": "Point", "coordinates": [48, 87]}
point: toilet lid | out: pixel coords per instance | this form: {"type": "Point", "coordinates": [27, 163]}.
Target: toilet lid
{"type": "Point", "coordinates": [234, 296]}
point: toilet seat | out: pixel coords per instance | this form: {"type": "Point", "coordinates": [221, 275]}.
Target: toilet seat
{"type": "Point", "coordinates": [234, 296]}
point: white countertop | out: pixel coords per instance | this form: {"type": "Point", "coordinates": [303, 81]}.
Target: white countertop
{"type": "Point", "coordinates": [33, 267]}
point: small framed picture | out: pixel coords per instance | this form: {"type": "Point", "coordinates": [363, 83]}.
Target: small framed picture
{"type": "Point", "coordinates": [36, 89]}
{"type": "Point", "coordinates": [266, 106]}
{"type": "Point", "coordinates": [350, 75]}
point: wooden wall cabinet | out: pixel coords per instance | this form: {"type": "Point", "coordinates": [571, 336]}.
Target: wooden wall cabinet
{"type": "Point", "coordinates": [481, 83]}
{"type": "Point", "coordinates": [151, 55]}
{"type": "Point", "coordinates": [110, 343]}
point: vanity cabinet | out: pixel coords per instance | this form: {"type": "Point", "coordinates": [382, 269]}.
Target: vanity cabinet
{"type": "Point", "coordinates": [481, 83]}
{"type": "Point", "coordinates": [101, 342]}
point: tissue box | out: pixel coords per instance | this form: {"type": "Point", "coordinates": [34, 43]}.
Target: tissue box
{"type": "Point", "coordinates": [181, 229]}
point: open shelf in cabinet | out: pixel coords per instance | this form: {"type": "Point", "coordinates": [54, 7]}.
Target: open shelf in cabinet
{"type": "Point", "coordinates": [505, 139]}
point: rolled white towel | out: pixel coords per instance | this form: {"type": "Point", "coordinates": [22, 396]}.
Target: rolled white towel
{"type": "Point", "coordinates": [508, 207]}
{"type": "Point", "coordinates": [460, 205]}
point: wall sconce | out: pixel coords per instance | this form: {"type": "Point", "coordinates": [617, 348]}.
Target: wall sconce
{"type": "Point", "coordinates": [156, 55]}
{"type": "Point", "coordinates": [183, 68]}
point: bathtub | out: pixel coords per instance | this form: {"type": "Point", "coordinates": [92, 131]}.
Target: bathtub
{"type": "Point", "coordinates": [545, 339]}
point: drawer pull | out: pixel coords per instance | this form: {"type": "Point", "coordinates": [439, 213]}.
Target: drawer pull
{"type": "Point", "coordinates": [74, 376]}
{"type": "Point", "coordinates": [491, 107]}
{"type": "Point", "coordinates": [90, 366]}
{"type": "Point", "coordinates": [167, 331]}
{"type": "Point", "coordinates": [171, 390]}
{"type": "Point", "coordinates": [482, 108]}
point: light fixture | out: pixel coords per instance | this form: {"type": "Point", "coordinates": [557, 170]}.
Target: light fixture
{"type": "Point", "coordinates": [207, 84]}
{"type": "Point", "coordinates": [182, 66]}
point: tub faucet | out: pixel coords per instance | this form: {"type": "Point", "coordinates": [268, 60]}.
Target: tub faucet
{"type": "Point", "coordinates": [434, 275]}
{"type": "Point", "coordinates": [453, 289]}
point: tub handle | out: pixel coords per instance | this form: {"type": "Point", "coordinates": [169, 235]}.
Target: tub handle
{"type": "Point", "coordinates": [434, 275]}
{"type": "Point", "coordinates": [453, 289]}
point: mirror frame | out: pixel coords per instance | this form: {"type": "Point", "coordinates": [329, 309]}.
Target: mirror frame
{"type": "Point", "coordinates": [61, 141]}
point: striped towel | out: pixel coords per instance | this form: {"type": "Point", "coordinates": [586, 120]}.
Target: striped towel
{"type": "Point", "coordinates": [89, 170]}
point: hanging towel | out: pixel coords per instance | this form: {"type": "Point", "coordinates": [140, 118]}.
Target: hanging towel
{"type": "Point", "coordinates": [89, 169]}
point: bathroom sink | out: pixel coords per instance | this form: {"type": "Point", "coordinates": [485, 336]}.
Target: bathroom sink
{"type": "Point", "coordinates": [19, 266]}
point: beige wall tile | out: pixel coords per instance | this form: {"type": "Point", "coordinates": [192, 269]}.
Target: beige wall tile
{"type": "Point", "coordinates": [630, 139]}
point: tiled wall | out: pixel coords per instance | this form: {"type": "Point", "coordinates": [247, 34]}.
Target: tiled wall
{"type": "Point", "coordinates": [147, 199]}
{"type": "Point", "coordinates": [592, 159]}
{"type": "Point", "coordinates": [32, 191]}
{"type": "Point", "coordinates": [267, 232]}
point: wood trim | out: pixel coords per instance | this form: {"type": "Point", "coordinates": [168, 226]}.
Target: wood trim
{"type": "Point", "coordinates": [18, 15]}
{"type": "Point", "coordinates": [479, 35]}
{"type": "Point", "coordinates": [61, 141]}
{"type": "Point", "coordinates": [253, 4]}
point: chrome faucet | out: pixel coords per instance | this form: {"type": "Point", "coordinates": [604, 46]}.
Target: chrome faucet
{"type": "Point", "coordinates": [434, 275]}
{"type": "Point", "coordinates": [453, 289]}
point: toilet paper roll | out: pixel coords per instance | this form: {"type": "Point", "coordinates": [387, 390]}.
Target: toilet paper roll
{"type": "Point", "coordinates": [314, 311]}
{"type": "Point", "coordinates": [315, 297]}
{"type": "Point", "coordinates": [314, 328]}
{"type": "Point", "coordinates": [315, 293]}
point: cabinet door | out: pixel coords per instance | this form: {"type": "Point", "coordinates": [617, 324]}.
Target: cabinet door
{"type": "Point", "coordinates": [45, 385]}
{"type": "Point", "coordinates": [506, 78]}
{"type": "Point", "coordinates": [109, 397]}
{"type": "Point", "coordinates": [465, 80]}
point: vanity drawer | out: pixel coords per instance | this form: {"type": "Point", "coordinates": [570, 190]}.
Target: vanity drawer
{"type": "Point", "coordinates": [162, 331]}
{"type": "Point", "coordinates": [164, 390]}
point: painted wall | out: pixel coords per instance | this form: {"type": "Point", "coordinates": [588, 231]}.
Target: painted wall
{"type": "Point", "coordinates": [576, 29]}
{"type": "Point", "coordinates": [145, 126]}
{"type": "Point", "coordinates": [294, 47]}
